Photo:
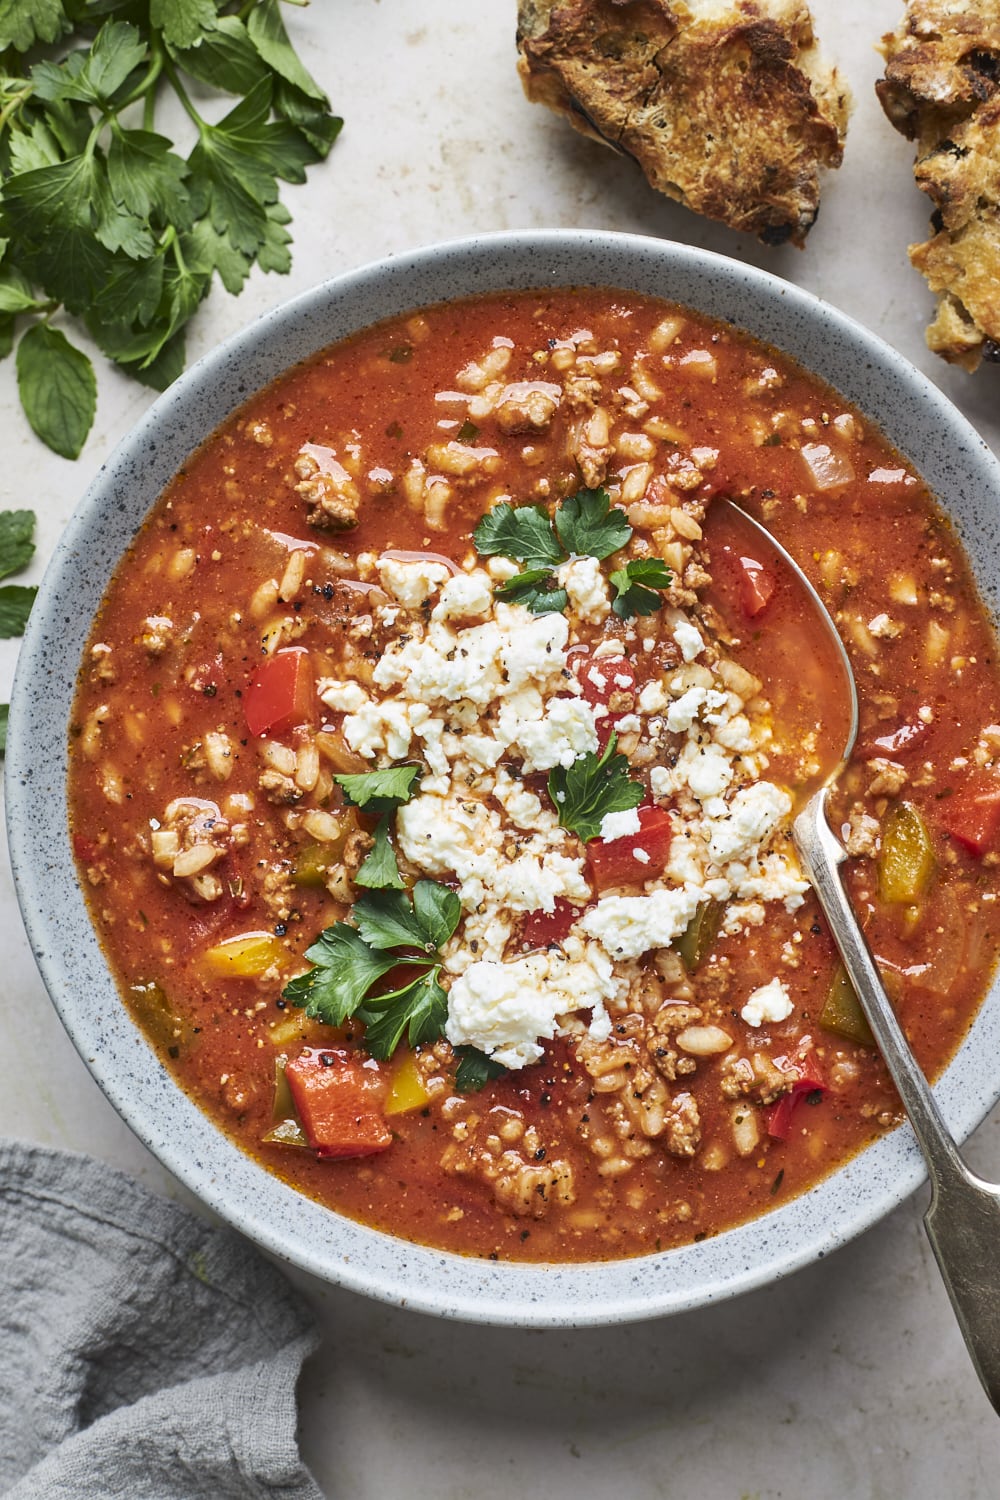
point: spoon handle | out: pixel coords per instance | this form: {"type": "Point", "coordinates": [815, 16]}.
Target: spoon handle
{"type": "Point", "coordinates": [963, 1220]}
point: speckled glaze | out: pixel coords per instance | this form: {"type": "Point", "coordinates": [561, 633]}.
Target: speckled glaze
{"type": "Point", "coordinates": [910, 411]}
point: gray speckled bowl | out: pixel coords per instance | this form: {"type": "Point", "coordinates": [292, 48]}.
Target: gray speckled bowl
{"type": "Point", "coordinates": [929, 431]}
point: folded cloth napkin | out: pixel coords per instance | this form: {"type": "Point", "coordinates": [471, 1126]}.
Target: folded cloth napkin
{"type": "Point", "coordinates": [143, 1353]}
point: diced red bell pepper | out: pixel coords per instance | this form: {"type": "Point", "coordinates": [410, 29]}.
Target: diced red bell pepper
{"type": "Point", "coordinates": [972, 814]}
{"type": "Point", "coordinates": [621, 861]}
{"type": "Point", "coordinates": [280, 693]}
{"type": "Point", "coordinates": [340, 1100]}
{"type": "Point", "coordinates": [540, 928]}
{"type": "Point", "coordinates": [779, 1120]}
{"type": "Point", "coordinates": [757, 585]}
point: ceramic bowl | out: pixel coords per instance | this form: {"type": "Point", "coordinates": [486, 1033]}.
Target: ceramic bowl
{"type": "Point", "coordinates": [910, 411]}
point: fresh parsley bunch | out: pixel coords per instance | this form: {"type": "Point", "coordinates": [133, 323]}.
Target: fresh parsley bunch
{"type": "Point", "coordinates": [584, 525]}
{"type": "Point", "coordinates": [101, 217]}
{"type": "Point", "coordinates": [391, 931]}
{"type": "Point", "coordinates": [17, 547]}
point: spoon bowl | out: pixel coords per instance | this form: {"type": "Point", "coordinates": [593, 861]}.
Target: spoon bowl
{"type": "Point", "coordinates": [963, 1218]}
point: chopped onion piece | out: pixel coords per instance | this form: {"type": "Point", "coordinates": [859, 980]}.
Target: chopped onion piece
{"type": "Point", "coordinates": [829, 469]}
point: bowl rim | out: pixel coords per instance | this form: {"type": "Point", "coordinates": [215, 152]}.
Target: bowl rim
{"type": "Point", "coordinates": [166, 1120]}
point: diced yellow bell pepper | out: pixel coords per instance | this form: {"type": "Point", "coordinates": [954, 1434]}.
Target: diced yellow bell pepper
{"type": "Point", "coordinates": [246, 956]}
{"type": "Point", "coordinates": [406, 1087]}
{"type": "Point", "coordinates": [286, 1127]}
{"type": "Point", "coordinates": [906, 858]}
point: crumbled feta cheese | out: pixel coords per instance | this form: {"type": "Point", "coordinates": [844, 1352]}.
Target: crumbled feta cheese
{"type": "Point", "coordinates": [628, 926]}
{"type": "Point", "coordinates": [508, 1009]}
{"type": "Point", "coordinates": [752, 817]}
{"type": "Point", "coordinates": [588, 592]}
{"type": "Point", "coordinates": [465, 596]}
{"type": "Point", "coordinates": [771, 1002]}
{"type": "Point", "coordinates": [564, 733]}
{"type": "Point", "coordinates": [653, 698]}
{"type": "Point", "coordinates": [411, 581]}
{"type": "Point", "coordinates": [689, 640]}
{"type": "Point", "coordinates": [342, 697]}
{"type": "Point", "coordinates": [618, 825]}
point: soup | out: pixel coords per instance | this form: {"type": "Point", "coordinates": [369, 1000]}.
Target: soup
{"type": "Point", "coordinates": [434, 759]}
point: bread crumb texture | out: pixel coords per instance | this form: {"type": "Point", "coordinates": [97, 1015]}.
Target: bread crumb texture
{"type": "Point", "coordinates": [942, 89]}
{"type": "Point", "coordinates": [725, 104]}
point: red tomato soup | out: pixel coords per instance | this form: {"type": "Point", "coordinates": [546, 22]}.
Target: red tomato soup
{"type": "Point", "coordinates": [434, 758]}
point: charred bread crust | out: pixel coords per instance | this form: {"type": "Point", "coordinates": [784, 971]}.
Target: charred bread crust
{"type": "Point", "coordinates": [725, 107]}
{"type": "Point", "coordinates": [942, 89]}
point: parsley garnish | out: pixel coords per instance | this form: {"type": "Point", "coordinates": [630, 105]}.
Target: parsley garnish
{"type": "Point", "coordinates": [584, 525]}
{"type": "Point", "coordinates": [379, 871]}
{"type": "Point", "coordinates": [393, 931]}
{"type": "Point", "coordinates": [382, 790]}
{"type": "Point", "coordinates": [589, 526]}
{"type": "Point", "coordinates": [100, 215]}
{"type": "Point", "coordinates": [636, 587]}
{"type": "Point", "coordinates": [17, 547]}
{"type": "Point", "coordinates": [475, 1070]}
{"type": "Point", "coordinates": [593, 786]}
{"type": "Point", "coordinates": [523, 532]}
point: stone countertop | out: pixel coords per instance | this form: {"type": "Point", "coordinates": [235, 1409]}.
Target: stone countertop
{"type": "Point", "coordinates": [848, 1379]}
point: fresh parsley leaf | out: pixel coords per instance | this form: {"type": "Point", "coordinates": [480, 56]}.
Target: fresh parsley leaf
{"type": "Point", "coordinates": [58, 388]}
{"type": "Point", "coordinates": [420, 1009]}
{"type": "Point", "coordinates": [379, 871]}
{"type": "Point", "coordinates": [475, 1070]}
{"type": "Point", "coordinates": [267, 32]}
{"type": "Point", "coordinates": [593, 786]}
{"type": "Point", "coordinates": [183, 22]}
{"type": "Point", "coordinates": [15, 292]}
{"type": "Point", "coordinates": [588, 526]}
{"type": "Point", "coordinates": [388, 919]}
{"type": "Point", "coordinates": [349, 963]}
{"type": "Point", "coordinates": [4, 712]}
{"type": "Point", "coordinates": [437, 910]}
{"type": "Point", "coordinates": [636, 584]}
{"type": "Point", "coordinates": [523, 532]}
{"type": "Point", "coordinates": [344, 970]}
{"type": "Point", "coordinates": [225, 57]}
{"type": "Point", "coordinates": [17, 547]}
{"type": "Point", "coordinates": [147, 178]}
{"type": "Point", "coordinates": [16, 600]}
{"type": "Point", "coordinates": [24, 22]}
{"type": "Point", "coordinates": [379, 791]}
{"type": "Point", "coordinates": [536, 590]}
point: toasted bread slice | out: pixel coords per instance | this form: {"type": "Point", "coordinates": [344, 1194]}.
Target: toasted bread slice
{"type": "Point", "coordinates": [724, 104]}
{"type": "Point", "coordinates": [942, 89]}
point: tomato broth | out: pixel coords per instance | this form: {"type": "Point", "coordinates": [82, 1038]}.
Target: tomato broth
{"type": "Point", "coordinates": [433, 762]}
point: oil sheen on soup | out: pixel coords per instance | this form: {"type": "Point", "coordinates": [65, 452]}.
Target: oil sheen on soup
{"type": "Point", "coordinates": [433, 765]}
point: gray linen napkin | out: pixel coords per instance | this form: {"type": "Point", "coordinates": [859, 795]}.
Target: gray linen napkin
{"type": "Point", "coordinates": [143, 1353]}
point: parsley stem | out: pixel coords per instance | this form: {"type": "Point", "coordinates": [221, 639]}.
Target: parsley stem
{"type": "Point", "coordinates": [10, 109]}
{"type": "Point", "coordinates": [145, 88]}
{"type": "Point", "coordinates": [182, 94]}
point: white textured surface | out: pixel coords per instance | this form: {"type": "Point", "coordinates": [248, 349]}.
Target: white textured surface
{"type": "Point", "coordinates": [849, 1379]}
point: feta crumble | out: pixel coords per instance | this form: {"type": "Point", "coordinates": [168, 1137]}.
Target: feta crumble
{"type": "Point", "coordinates": [771, 1002]}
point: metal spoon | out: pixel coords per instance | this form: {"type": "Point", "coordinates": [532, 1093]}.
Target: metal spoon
{"type": "Point", "coordinates": [963, 1219]}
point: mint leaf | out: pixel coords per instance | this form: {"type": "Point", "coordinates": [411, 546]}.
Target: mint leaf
{"type": "Point", "coordinates": [475, 1070]}
{"type": "Point", "coordinates": [15, 606]}
{"type": "Point", "coordinates": [419, 1009]}
{"type": "Point", "coordinates": [379, 870]}
{"type": "Point", "coordinates": [589, 526]}
{"type": "Point", "coordinates": [267, 32]}
{"type": "Point", "coordinates": [57, 387]}
{"type": "Point", "coordinates": [634, 587]}
{"type": "Point", "coordinates": [344, 970]}
{"type": "Point", "coordinates": [379, 791]}
{"type": "Point", "coordinates": [17, 547]}
{"type": "Point", "coordinates": [593, 786]}
{"type": "Point", "coordinates": [523, 532]}
{"type": "Point", "coordinates": [536, 590]}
